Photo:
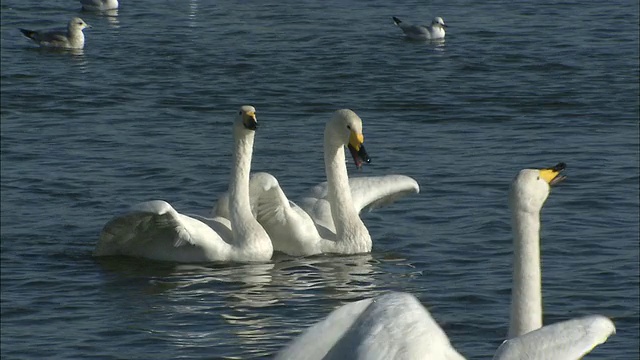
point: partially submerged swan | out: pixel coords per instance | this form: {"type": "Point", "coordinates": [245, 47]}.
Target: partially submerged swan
{"type": "Point", "coordinates": [327, 220]}
{"type": "Point", "coordinates": [397, 326]}
{"type": "Point", "coordinates": [155, 230]}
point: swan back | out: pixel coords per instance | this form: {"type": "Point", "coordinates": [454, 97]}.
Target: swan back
{"type": "Point", "coordinates": [391, 326]}
{"type": "Point", "coordinates": [395, 326]}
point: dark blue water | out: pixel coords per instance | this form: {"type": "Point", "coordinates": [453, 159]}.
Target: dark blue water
{"type": "Point", "coordinates": [144, 112]}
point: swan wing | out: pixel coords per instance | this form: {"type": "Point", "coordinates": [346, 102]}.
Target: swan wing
{"type": "Point", "coordinates": [262, 187]}
{"type": "Point", "coordinates": [566, 340]}
{"type": "Point", "coordinates": [373, 192]}
{"type": "Point", "coordinates": [368, 193]}
{"type": "Point", "coordinates": [155, 230]}
{"type": "Point", "coordinates": [391, 326]}
{"type": "Point", "coordinates": [290, 228]}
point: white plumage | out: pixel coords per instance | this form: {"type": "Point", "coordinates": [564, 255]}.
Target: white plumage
{"type": "Point", "coordinates": [327, 220]}
{"type": "Point", "coordinates": [99, 5]}
{"type": "Point", "coordinates": [396, 326]}
{"type": "Point", "coordinates": [155, 230]}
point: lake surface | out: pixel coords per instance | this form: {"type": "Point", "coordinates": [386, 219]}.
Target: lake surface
{"type": "Point", "coordinates": [145, 110]}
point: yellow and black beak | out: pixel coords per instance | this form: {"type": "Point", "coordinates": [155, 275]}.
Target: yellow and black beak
{"type": "Point", "coordinates": [249, 120]}
{"type": "Point", "coordinates": [357, 150]}
{"type": "Point", "coordinates": [552, 175]}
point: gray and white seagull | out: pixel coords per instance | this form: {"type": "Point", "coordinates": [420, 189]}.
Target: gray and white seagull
{"type": "Point", "coordinates": [70, 38]}
{"type": "Point", "coordinates": [419, 32]}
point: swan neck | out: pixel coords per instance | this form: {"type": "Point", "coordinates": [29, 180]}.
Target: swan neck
{"type": "Point", "coordinates": [345, 216]}
{"type": "Point", "coordinates": [239, 205]}
{"type": "Point", "coordinates": [526, 289]}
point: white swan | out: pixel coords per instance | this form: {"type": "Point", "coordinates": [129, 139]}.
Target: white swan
{"type": "Point", "coordinates": [70, 38]}
{"type": "Point", "coordinates": [156, 231]}
{"type": "Point", "coordinates": [397, 326]}
{"type": "Point", "coordinates": [529, 190]}
{"type": "Point", "coordinates": [434, 31]}
{"type": "Point", "coordinates": [328, 219]}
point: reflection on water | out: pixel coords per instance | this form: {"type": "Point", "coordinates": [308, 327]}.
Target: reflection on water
{"type": "Point", "coordinates": [77, 55]}
{"type": "Point", "coordinates": [79, 59]}
{"type": "Point", "coordinates": [112, 17]}
{"type": "Point", "coordinates": [249, 299]}
{"type": "Point", "coordinates": [193, 13]}
{"type": "Point", "coordinates": [438, 45]}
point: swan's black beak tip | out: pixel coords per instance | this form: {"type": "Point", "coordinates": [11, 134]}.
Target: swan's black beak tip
{"type": "Point", "coordinates": [251, 123]}
{"type": "Point", "coordinates": [360, 156]}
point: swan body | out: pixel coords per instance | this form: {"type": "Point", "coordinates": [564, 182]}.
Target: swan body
{"type": "Point", "coordinates": [391, 326]}
{"type": "Point", "coordinates": [70, 38]}
{"type": "Point", "coordinates": [155, 230]}
{"type": "Point", "coordinates": [327, 221]}
{"type": "Point", "coordinates": [396, 326]}
{"type": "Point", "coordinates": [99, 5]}
{"type": "Point", "coordinates": [434, 31]}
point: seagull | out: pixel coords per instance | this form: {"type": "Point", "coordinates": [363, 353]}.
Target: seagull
{"type": "Point", "coordinates": [418, 32]}
{"type": "Point", "coordinates": [99, 5]}
{"type": "Point", "coordinates": [69, 38]}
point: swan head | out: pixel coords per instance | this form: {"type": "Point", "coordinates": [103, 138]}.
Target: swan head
{"type": "Point", "coordinates": [530, 188]}
{"type": "Point", "coordinates": [77, 23]}
{"type": "Point", "coordinates": [438, 21]}
{"type": "Point", "coordinates": [246, 119]}
{"type": "Point", "coordinates": [345, 129]}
